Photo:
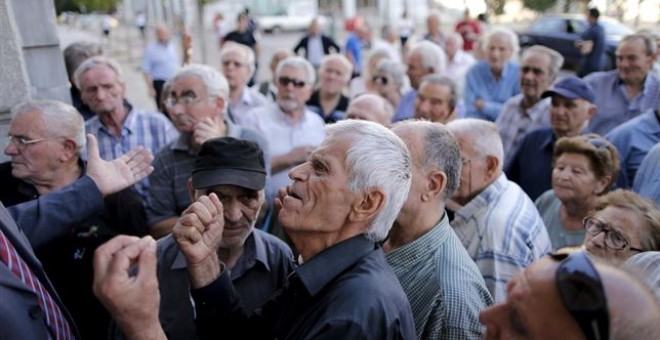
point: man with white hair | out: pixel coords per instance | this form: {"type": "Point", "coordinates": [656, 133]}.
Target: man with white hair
{"type": "Point", "coordinates": [496, 221]}
{"type": "Point", "coordinates": [118, 126]}
{"type": "Point", "coordinates": [424, 58]}
{"type": "Point", "coordinates": [238, 66]}
{"type": "Point", "coordinates": [370, 107]}
{"type": "Point", "coordinates": [444, 286]}
{"type": "Point", "coordinates": [341, 204]}
{"type": "Point", "coordinates": [434, 30]}
{"type": "Point", "coordinates": [436, 99]}
{"type": "Point", "coordinates": [458, 61]}
{"type": "Point", "coordinates": [196, 104]}
{"type": "Point", "coordinates": [328, 100]}
{"type": "Point", "coordinates": [291, 130]}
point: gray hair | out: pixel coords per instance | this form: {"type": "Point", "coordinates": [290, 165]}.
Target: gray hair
{"type": "Point", "coordinates": [377, 158]}
{"type": "Point", "coordinates": [441, 152]}
{"type": "Point", "coordinates": [481, 134]}
{"type": "Point", "coordinates": [457, 37]}
{"type": "Point", "coordinates": [298, 63]}
{"type": "Point", "coordinates": [342, 59]}
{"type": "Point", "coordinates": [395, 69]}
{"type": "Point", "coordinates": [438, 79]}
{"type": "Point", "coordinates": [380, 53]}
{"type": "Point", "coordinates": [94, 62]}
{"type": "Point", "coordinates": [432, 55]}
{"type": "Point", "coordinates": [215, 83]}
{"type": "Point", "coordinates": [507, 33]}
{"type": "Point", "coordinates": [246, 51]}
{"type": "Point", "coordinates": [76, 53]}
{"type": "Point", "coordinates": [556, 59]}
{"type": "Point", "coordinates": [59, 119]}
{"type": "Point", "coordinates": [648, 40]}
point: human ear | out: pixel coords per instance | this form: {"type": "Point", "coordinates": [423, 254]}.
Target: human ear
{"type": "Point", "coordinates": [369, 205]}
{"type": "Point", "coordinates": [436, 183]}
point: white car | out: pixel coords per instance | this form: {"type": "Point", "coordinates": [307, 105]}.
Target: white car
{"type": "Point", "coordinates": [284, 22]}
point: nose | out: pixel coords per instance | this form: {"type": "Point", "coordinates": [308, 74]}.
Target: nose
{"type": "Point", "coordinates": [299, 173]}
{"type": "Point", "coordinates": [11, 149]}
{"type": "Point", "coordinates": [232, 211]}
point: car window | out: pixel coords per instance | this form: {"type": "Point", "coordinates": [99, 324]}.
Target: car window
{"type": "Point", "coordinates": [547, 25]}
{"type": "Point", "coordinates": [578, 26]}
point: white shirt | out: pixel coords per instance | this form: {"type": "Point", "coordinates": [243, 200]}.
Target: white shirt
{"type": "Point", "coordinates": [250, 99]}
{"type": "Point", "coordinates": [458, 67]}
{"type": "Point", "coordinates": [315, 50]}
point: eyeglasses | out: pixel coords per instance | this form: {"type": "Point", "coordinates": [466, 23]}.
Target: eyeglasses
{"type": "Point", "coordinates": [185, 101]}
{"type": "Point", "coordinates": [380, 80]}
{"type": "Point", "coordinates": [581, 291]}
{"type": "Point", "coordinates": [22, 142]}
{"type": "Point", "coordinates": [613, 239]}
{"type": "Point", "coordinates": [285, 81]}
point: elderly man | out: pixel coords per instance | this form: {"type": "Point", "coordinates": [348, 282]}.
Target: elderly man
{"type": "Point", "coordinates": [196, 103]}
{"type": "Point", "coordinates": [238, 66]}
{"type": "Point", "coordinates": [74, 55]}
{"type": "Point", "coordinates": [291, 130]}
{"type": "Point", "coordinates": [343, 288]}
{"type": "Point", "coordinates": [46, 140]}
{"type": "Point", "coordinates": [159, 63]}
{"type": "Point", "coordinates": [31, 307]}
{"type": "Point", "coordinates": [571, 107]}
{"type": "Point", "coordinates": [459, 61]}
{"type": "Point", "coordinates": [444, 286]}
{"type": "Point", "coordinates": [371, 107]}
{"type": "Point", "coordinates": [118, 126]}
{"type": "Point", "coordinates": [631, 89]}
{"type": "Point", "coordinates": [316, 45]}
{"type": "Point", "coordinates": [436, 99]}
{"type": "Point", "coordinates": [328, 100]}
{"type": "Point", "coordinates": [434, 29]}
{"type": "Point", "coordinates": [497, 223]}
{"type": "Point", "coordinates": [259, 263]}
{"type": "Point", "coordinates": [526, 112]}
{"type": "Point", "coordinates": [569, 297]}
{"type": "Point", "coordinates": [424, 58]}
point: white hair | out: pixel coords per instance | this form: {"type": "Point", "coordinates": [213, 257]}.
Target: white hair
{"type": "Point", "coordinates": [216, 84]}
{"type": "Point", "coordinates": [377, 158]}
{"type": "Point", "coordinates": [59, 119]}
{"type": "Point", "coordinates": [341, 59]}
{"type": "Point", "coordinates": [244, 50]}
{"type": "Point", "coordinates": [507, 33]}
{"type": "Point", "coordinates": [298, 63]}
{"type": "Point", "coordinates": [95, 62]}
{"type": "Point", "coordinates": [432, 55]}
{"type": "Point", "coordinates": [481, 134]}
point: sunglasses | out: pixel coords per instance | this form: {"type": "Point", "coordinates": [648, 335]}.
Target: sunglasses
{"type": "Point", "coordinates": [380, 80]}
{"type": "Point", "coordinates": [582, 293]}
{"type": "Point", "coordinates": [285, 81]}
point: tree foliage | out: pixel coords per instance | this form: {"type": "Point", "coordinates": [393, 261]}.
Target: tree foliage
{"type": "Point", "coordinates": [539, 5]}
{"type": "Point", "coordinates": [86, 6]}
{"type": "Point", "coordinates": [495, 7]}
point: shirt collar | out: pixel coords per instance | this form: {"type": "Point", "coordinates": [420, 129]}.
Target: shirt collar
{"type": "Point", "coordinates": [319, 271]}
{"type": "Point", "coordinates": [421, 247]}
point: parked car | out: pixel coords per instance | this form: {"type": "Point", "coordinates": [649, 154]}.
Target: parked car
{"type": "Point", "coordinates": [560, 31]}
{"type": "Point", "coordinates": [297, 16]}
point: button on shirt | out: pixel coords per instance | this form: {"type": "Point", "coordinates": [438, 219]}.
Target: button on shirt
{"type": "Point", "coordinates": [481, 84]}
{"type": "Point", "coordinates": [614, 107]}
{"type": "Point", "coordinates": [515, 122]}
{"type": "Point", "coordinates": [160, 61]}
{"type": "Point", "coordinates": [347, 291]}
{"type": "Point", "coordinates": [443, 284]}
{"type": "Point", "coordinates": [503, 233]}
{"type": "Point", "coordinates": [282, 136]}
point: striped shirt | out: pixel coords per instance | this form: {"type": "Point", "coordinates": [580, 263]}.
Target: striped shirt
{"type": "Point", "coordinates": [150, 130]}
{"type": "Point", "coordinates": [503, 233]}
{"type": "Point", "coordinates": [481, 84]}
{"type": "Point", "coordinates": [444, 287]}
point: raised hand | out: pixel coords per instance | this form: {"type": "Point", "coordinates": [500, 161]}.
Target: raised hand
{"type": "Point", "coordinates": [121, 173]}
{"type": "Point", "coordinates": [207, 129]}
{"type": "Point", "coordinates": [199, 233]}
{"type": "Point", "coordinates": [125, 282]}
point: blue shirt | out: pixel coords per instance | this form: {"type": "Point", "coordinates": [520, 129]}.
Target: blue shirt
{"type": "Point", "coordinates": [531, 165]}
{"type": "Point", "coordinates": [647, 179]}
{"type": "Point", "coordinates": [596, 34]}
{"type": "Point", "coordinates": [444, 286]}
{"type": "Point", "coordinates": [354, 48]}
{"type": "Point", "coordinates": [160, 61]}
{"type": "Point", "coordinates": [481, 84]}
{"type": "Point", "coordinates": [503, 233]}
{"type": "Point", "coordinates": [634, 139]}
{"type": "Point", "coordinates": [612, 102]}
{"type": "Point", "coordinates": [406, 108]}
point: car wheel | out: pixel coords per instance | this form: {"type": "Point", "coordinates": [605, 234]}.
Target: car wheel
{"type": "Point", "coordinates": [276, 30]}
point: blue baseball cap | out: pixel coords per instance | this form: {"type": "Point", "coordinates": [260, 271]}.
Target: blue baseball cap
{"type": "Point", "coordinates": [571, 88]}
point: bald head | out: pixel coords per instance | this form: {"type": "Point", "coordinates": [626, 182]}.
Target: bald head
{"type": "Point", "coordinates": [371, 107]}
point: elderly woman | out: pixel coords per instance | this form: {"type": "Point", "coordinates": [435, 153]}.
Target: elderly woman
{"type": "Point", "coordinates": [489, 83]}
{"type": "Point", "coordinates": [621, 225]}
{"type": "Point", "coordinates": [389, 80]}
{"type": "Point", "coordinates": [364, 83]}
{"type": "Point", "coordinates": [584, 168]}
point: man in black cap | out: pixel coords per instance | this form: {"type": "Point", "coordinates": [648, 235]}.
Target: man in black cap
{"type": "Point", "coordinates": [259, 263]}
{"type": "Point", "coordinates": [571, 108]}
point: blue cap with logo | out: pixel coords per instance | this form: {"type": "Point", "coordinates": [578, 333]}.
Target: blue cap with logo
{"type": "Point", "coordinates": [571, 88]}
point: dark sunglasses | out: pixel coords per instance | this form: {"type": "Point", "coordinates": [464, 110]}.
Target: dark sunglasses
{"type": "Point", "coordinates": [285, 81]}
{"type": "Point", "coordinates": [382, 80]}
{"type": "Point", "coordinates": [582, 293]}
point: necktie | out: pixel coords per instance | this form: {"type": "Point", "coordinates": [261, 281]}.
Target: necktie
{"type": "Point", "coordinates": [52, 313]}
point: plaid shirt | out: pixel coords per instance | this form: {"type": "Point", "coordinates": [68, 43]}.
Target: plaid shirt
{"type": "Point", "coordinates": [503, 233]}
{"type": "Point", "coordinates": [152, 130]}
{"type": "Point", "coordinates": [515, 122]}
{"type": "Point", "coordinates": [444, 287]}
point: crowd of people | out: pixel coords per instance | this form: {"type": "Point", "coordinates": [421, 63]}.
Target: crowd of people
{"type": "Point", "coordinates": [414, 186]}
